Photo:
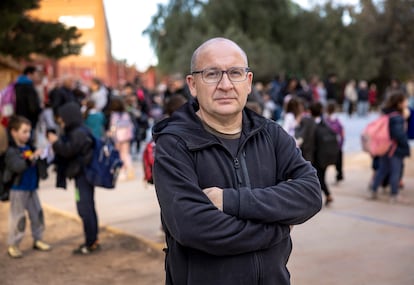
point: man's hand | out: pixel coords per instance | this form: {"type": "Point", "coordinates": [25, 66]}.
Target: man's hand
{"type": "Point", "coordinates": [215, 195]}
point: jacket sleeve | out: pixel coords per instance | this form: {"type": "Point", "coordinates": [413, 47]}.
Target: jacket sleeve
{"type": "Point", "coordinates": [293, 200]}
{"type": "Point", "coordinates": [192, 219]}
{"type": "Point", "coordinates": [72, 146]}
{"type": "Point", "coordinates": [14, 161]}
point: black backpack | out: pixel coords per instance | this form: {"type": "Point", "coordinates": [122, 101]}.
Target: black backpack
{"type": "Point", "coordinates": [326, 145]}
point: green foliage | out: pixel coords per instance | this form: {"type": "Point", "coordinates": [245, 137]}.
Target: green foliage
{"type": "Point", "coordinates": [22, 36]}
{"type": "Point", "coordinates": [12, 11]}
{"type": "Point", "coordinates": [279, 36]}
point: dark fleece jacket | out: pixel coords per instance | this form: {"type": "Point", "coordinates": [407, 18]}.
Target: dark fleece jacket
{"type": "Point", "coordinates": [267, 187]}
{"type": "Point", "coordinates": [73, 150]}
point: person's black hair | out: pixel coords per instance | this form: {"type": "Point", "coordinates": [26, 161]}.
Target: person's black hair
{"type": "Point", "coordinates": [316, 109]}
{"type": "Point", "coordinates": [117, 105]}
{"type": "Point", "coordinates": [97, 81]}
{"type": "Point", "coordinates": [30, 69]}
{"type": "Point", "coordinates": [173, 103]}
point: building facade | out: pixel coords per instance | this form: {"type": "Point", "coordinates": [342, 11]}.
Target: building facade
{"type": "Point", "coordinates": [96, 58]}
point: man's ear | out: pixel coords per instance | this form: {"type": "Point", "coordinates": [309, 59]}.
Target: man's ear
{"type": "Point", "coordinates": [191, 85]}
{"type": "Point", "coordinates": [250, 79]}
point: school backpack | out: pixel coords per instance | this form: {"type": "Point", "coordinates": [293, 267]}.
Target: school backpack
{"type": "Point", "coordinates": [148, 161]}
{"type": "Point", "coordinates": [4, 185]}
{"type": "Point", "coordinates": [103, 169]}
{"type": "Point", "coordinates": [338, 128]}
{"type": "Point", "coordinates": [326, 145]}
{"type": "Point", "coordinates": [375, 138]}
{"type": "Point", "coordinates": [121, 126]}
{"type": "Point", "coordinates": [7, 102]}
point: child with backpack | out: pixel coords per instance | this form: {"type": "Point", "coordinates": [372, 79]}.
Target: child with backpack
{"type": "Point", "coordinates": [391, 163]}
{"type": "Point", "coordinates": [73, 150]}
{"type": "Point", "coordinates": [326, 148]}
{"type": "Point", "coordinates": [121, 131]}
{"type": "Point", "coordinates": [94, 119]}
{"type": "Point", "coordinates": [21, 171]}
{"type": "Point", "coordinates": [335, 124]}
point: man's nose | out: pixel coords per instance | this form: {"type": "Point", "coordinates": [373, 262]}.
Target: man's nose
{"type": "Point", "coordinates": [225, 82]}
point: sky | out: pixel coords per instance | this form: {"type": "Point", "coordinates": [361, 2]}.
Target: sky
{"type": "Point", "coordinates": [127, 19]}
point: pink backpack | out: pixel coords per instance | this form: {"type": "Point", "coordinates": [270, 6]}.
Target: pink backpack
{"type": "Point", "coordinates": [122, 127]}
{"type": "Point", "coordinates": [376, 139]}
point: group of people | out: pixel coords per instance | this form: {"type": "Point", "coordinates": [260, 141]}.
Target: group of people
{"type": "Point", "coordinates": [231, 183]}
{"type": "Point", "coordinates": [55, 129]}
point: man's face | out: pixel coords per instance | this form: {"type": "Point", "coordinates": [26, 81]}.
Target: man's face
{"type": "Point", "coordinates": [224, 99]}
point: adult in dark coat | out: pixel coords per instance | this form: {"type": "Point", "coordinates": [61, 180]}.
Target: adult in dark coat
{"type": "Point", "coordinates": [28, 102]}
{"type": "Point", "coordinates": [230, 183]}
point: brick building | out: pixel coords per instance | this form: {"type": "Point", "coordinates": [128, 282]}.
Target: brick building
{"type": "Point", "coordinates": [96, 58]}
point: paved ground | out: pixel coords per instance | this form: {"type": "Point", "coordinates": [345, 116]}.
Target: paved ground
{"type": "Point", "coordinates": [356, 241]}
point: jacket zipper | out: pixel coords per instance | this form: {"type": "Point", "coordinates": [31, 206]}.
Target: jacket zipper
{"type": "Point", "coordinates": [241, 170]}
{"type": "Point", "coordinates": [236, 164]}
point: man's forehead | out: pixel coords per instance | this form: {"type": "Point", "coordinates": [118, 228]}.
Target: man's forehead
{"type": "Point", "coordinates": [221, 51]}
{"type": "Point", "coordinates": [220, 45]}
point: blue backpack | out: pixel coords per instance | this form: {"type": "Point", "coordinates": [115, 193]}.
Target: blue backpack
{"type": "Point", "coordinates": [103, 169]}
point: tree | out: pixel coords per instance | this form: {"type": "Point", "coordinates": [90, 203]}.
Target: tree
{"type": "Point", "coordinates": [179, 27]}
{"type": "Point", "coordinates": [169, 33]}
{"type": "Point", "coordinates": [388, 38]}
{"type": "Point", "coordinates": [22, 36]}
{"type": "Point", "coordinates": [280, 36]}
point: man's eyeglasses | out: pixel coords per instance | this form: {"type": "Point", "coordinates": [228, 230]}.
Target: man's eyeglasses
{"type": "Point", "coordinates": [214, 75]}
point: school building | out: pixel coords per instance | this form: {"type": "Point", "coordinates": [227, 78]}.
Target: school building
{"type": "Point", "coordinates": [96, 58]}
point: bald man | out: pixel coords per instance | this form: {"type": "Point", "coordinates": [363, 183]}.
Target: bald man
{"type": "Point", "coordinates": [229, 182]}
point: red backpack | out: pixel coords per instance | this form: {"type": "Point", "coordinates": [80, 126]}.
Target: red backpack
{"type": "Point", "coordinates": [148, 161]}
{"type": "Point", "coordinates": [376, 139]}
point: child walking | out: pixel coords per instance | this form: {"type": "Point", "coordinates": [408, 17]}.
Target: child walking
{"type": "Point", "coordinates": [335, 124]}
{"type": "Point", "coordinates": [20, 167]}
{"type": "Point", "coordinates": [73, 150]}
{"type": "Point", "coordinates": [121, 130]}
